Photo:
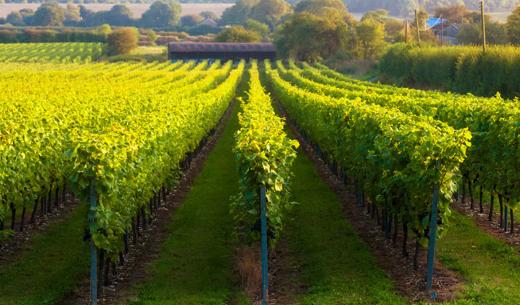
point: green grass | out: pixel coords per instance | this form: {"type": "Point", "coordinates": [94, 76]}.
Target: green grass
{"type": "Point", "coordinates": [489, 266]}
{"type": "Point", "coordinates": [336, 266]}
{"type": "Point", "coordinates": [50, 266]}
{"type": "Point", "coordinates": [195, 264]}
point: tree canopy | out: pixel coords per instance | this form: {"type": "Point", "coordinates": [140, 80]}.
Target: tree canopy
{"type": "Point", "coordinates": [325, 8]}
{"type": "Point", "coordinates": [122, 41]}
{"type": "Point", "coordinates": [269, 12]}
{"type": "Point", "coordinates": [238, 13]}
{"type": "Point", "coordinates": [49, 14]}
{"type": "Point", "coordinates": [162, 14]}
{"type": "Point", "coordinates": [238, 33]}
{"type": "Point", "coordinates": [513, 26]}
{"type": "Point", "coordinates": [305, 36]}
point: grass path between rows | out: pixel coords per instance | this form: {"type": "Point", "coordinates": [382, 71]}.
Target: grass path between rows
{"type": "Point", "coordinates": [337, 267]}
{"type": "Point", "coordinates": [195, 265]}
{"type": "Point", "coordinates": [50, 265]}
{"type": "Point", "coordinates": [489, 266]}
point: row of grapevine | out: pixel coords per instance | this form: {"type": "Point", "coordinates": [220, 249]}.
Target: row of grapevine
{"type": "Point", "coordinates": [124, 127]}
{"type": "Point", "coordinates": [63, 52]}
{"type": "Point", "coordinates": [397, 159]}
{"type": "Point", "coordinates": [493, 159]}
{"type": "Point", "coordinates": [265, 155]}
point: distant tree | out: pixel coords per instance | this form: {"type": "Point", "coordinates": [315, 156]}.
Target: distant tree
{"type": "Point", "coordinates": [162, 14]}
{"type": "Point", "coordinates": [15, 18]}
{"type": "Point", "coordinates": [191, 20]}
{"type": "Point", "coordinates": [325, 8]}
{"type": "Point", "coordinates": [238, 33]}
{"type": "Point", "coordinates": [104, 30]}
{"type": "Point", "coordinates": [469, 34]}
{"type": "Point", "coordinates": [2, 20]}
{"type": "Point", "coordinates": [453, 13]}
{"type": "Point", "coordinates": [270, 12]}
{"type": "Point", "coordinates": [257, 26]}
{"type": "Point", "coordinates": [25, 12]}
{"type": "Point", "coordinates": [150, 34]}
{"type": "Point", "coordinates": [513, 26]}
{"type": "Point", "coordinates": [122, 41]}
{"type": "Point", "coordinates": [377, 15]}
{"type": "Point", "coordinates": [474, 17]}
{"type": "Point", "coordinates": [209, 15]}
{"type": "Point", "coordinates": [49, 14]}
{"type": "Point", "coordinates": [394, 28]}
{"type": "Point", "coordinates": [305, 36]}
{"type": "Point", "coordinates": [238, 13]}
{"type": "Point", "coordinates": [371, 39]}
{"type": "Point", "coordinates": [119, 15]}
{"type": "Point", "coordinates": [84, 12]}
{"type": "Point", "coordinates": [497, 33]}
{"type": "Point", "coordinates": [422, 16]}
{"type": "Point", "coordinates": [72, 14]}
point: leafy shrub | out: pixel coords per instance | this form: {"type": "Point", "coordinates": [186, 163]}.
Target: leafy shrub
{"type": "Point", "coordinates": [122, 41]}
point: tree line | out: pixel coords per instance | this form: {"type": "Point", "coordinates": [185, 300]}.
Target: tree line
{"type": "Point", "coordinates": [161, 14]}
{"type": "Point", "coordinates": [323, 29]}
{"type": "Point", "coordinates": [113, 2]}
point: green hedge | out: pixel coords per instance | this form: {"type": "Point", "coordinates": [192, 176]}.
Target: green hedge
{"type": "Point", "coordinates": [16, 35]}
{"type": "Point", "coordinates": [459, 69]}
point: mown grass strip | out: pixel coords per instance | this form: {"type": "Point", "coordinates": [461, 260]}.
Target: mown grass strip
{"type": "Point", "coordinates": [489, 266]}
{"type": "Point", "coordinates": [336, 266]}
{"type": "Point", "coordinates": [195, 265]}
{"type": "Point", "coordinates": [50, 266]}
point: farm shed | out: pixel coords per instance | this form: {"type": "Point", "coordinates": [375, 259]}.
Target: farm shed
{"type": "Point", "coordinates": [220, 50]}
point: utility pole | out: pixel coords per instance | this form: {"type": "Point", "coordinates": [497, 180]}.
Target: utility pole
{"type": "Point", "coordinates": [483, 21]}
{"type": "Point", "coordinates": [417, 26]}
{"type": "Point", "coordinates": [442, 32]}
{"type": "Point", "coordinates": [406, 26]}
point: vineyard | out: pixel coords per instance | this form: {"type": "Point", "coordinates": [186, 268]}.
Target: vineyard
{"type": "Point", "coordinates": [234, 182]}
{"type": "Point", "coordinates": [66, 52]}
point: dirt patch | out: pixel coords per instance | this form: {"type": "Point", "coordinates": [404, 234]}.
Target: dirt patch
{"type": "Point", "coordinates": [284, 279]}
{"type": "Point", "coordinates": [147, 248]}
{"type": "Point", "coordinates": [409, 281]}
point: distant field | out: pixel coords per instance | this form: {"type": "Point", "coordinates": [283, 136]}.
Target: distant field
{"type": "Point", "coordinates": [136, 9]}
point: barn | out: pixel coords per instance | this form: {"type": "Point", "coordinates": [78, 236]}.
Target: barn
{"type": "Point", "coordinates": [220, 50]}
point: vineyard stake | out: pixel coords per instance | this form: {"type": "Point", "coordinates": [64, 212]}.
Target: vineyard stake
{"type": "Point", "coordinates": [432, 241]}
{"type": "Point", "coordinates": [93, 251]}
{"type": "Point", "coordinates": [263, 221]}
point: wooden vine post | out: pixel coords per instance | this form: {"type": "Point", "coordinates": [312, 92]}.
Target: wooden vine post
{"type": "Point", "coordinates": [263, 222]}
{"type": "Point", "coordinates": [93, 250]}
{"type": "Point", "coordinates": [406, 28]}
{"type": "Point", "coordinates": [432, 239]}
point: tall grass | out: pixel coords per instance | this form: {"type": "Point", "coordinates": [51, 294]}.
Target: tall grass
{"type": "Point", "coordinates": [460, 69]}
